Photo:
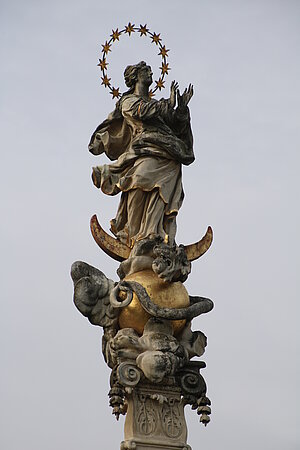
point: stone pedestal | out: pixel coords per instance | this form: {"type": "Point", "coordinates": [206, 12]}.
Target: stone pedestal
{"type": "Point", "coordinates": [155, 419]}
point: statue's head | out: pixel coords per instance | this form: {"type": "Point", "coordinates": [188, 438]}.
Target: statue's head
{"type": "Point", "coordinates": [138, 72]}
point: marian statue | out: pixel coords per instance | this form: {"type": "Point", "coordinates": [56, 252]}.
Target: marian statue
{"type": "Point", "coordinates": [149, 140]}
{"type": "Point", "coordinates": [146, 315]}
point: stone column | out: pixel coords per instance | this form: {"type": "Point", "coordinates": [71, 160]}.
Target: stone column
{"type": "Point", "coordinates": [155, 418]}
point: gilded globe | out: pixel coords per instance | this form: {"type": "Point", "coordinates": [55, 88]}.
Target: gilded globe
{"type": "Point", "coordinates": [165, 294]}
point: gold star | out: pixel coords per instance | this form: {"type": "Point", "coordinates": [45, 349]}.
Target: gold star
{"type": "Point", "coordinates": [163, 51]}
{"type": "Point", "coordinates": [129, 29]}
{"type": "Point", "coordinates": [160, 84]}
{"type": "Point", "coordinates": [106, 47]}
{"type": "Point", "coordinates": [103, 64]}
{"type": "Point", "coordinates": [165, 68]}
{"type": "Point", "coordinates": [143, 30]}
{"type": "Point", "coordinates": [115, 35]}
{"type": "Point", "coordinates": [115, 92]}
{"type": "Point", "coordinates": [151, 94]}
{"type": "Point", "coordinates": [156, 38]}
{"type": "Point", "coordinates": [105, 80]}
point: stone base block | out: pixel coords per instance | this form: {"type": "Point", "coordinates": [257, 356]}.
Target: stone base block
{"type": "Point", "coordinates": [155, 419]}
{"type": "Point", "coordinates": [133, 445]}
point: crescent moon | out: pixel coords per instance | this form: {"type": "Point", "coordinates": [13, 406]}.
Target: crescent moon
{"type": "Point", "coordinates": [119, 251]}
{"type": "Point", "coordinates": [111, 246]}
{"type": "Point", "coordinates": [194, 251]}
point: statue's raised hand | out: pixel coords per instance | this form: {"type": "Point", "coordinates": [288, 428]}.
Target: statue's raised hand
{"type": "Point", "coordinates": [173, 92]}
{"type": "Point", "coordinates": [183, 100]}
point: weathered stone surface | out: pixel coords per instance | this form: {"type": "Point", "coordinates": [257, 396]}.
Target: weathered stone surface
{"type": "Point", "coordinates": [155, 419]}
{"type": "Point", "coordinates": [146, 316]}
{"type": "Point", "coordinates": [101, 300]}
{"type": "Point", "coordinates": [149, 140]}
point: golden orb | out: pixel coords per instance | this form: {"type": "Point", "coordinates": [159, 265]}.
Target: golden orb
{"type": "Point", "coordinates": [162, 293]}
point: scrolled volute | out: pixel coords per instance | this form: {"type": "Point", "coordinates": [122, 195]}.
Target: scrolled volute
{"type": "Point", "coordinates": [128, 374]}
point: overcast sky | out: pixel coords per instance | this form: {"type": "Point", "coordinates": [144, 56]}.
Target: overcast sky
{"type": "Point", "coordinates": [243, 59]}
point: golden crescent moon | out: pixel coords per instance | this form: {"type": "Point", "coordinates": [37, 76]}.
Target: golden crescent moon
{"type": "Point", "coordinates": [111, 246]}
{"type": "Point", "coordinates": [119, 251]}
{"type": "Point", "coordinates": [194, 251]}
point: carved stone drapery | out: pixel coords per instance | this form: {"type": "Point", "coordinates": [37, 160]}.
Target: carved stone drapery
{"type": "Point", "coordinates": [146, 315]}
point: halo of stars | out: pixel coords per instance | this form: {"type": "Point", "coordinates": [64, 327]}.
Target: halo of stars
{"type": "Point", "coordinates": [114, 38]}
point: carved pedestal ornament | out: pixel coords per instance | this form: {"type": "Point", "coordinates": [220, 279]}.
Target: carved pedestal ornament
{"type": "Point", "coordinates": [146, 315]}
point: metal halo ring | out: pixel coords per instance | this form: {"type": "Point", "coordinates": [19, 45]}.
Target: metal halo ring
{"type": "Point", "coordinates": [144, 31]}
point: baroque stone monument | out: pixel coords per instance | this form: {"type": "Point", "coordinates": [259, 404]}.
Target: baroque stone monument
{"type": "Point", "coordinates": [146, 315]}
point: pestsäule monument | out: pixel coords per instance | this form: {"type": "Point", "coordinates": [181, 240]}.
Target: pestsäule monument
{"type": "Point", "coordinates": [146, 314]}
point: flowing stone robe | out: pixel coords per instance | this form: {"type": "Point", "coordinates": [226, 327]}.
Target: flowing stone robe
{"type": "Point", "coordinates": [149, 141]}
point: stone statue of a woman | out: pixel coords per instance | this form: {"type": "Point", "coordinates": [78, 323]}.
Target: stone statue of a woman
{"type": "Point", "coordinates": [148, 140]}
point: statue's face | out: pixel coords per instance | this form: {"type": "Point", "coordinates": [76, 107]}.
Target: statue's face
{"type": "Point", "coordinates": [145, 75]}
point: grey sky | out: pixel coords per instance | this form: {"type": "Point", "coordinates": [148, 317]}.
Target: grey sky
{"type": "Point", "coordinates": [243, 59]}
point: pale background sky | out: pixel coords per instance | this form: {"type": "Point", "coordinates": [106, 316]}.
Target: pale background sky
{"type": "Point", "coordinates": [243, 59]}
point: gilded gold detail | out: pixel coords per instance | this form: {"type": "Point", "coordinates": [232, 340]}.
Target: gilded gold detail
{"type": "Point", "coordinates": [160, 83]}
{"type": "Point", "coordinates": [111, 246]}
{"type": "Point", "coordinates": [194, 251]}
{"type": "Point", "coordinates": [105, 80]}
{"type": "Point", "coordinates": [165, 68]}
{"type": "Point", "coordinates": [129, 28]}
{"type": "Point", "coordinates": [168, 295]}
{"type": "Point", "coordinates": [156, 38]}
{"type": "Point", "coordinates": [115, 92]}
{"type": "Point", "coordinates": [143, 30]}
{"type": "Point", "coordinates": [119, 251]}
{"type": "Point", "coordinates": [106, 48]}
{"type": "Point", "coordinates": [163, 51]}
{"type": "Point", "coordinates": [115, 35]}
{"type": "Point", "coordinates": [103, 64]}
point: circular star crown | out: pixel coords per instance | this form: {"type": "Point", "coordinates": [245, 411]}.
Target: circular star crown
{"type": "Point", "coordinates": [115, 37]}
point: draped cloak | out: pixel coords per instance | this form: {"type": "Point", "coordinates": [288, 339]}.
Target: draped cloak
{"type": "Point", "coordinates": [149, 141]}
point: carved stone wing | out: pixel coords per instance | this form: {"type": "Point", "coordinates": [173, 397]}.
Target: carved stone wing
{"type": "Point", "coordinates": [91, 294]}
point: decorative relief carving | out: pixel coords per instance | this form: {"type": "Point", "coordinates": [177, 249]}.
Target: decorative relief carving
{"type": "Point", "coordinates": [171, 421]}
{"type": "Point", "coordinates": [128, 374]}
{"type": "Point", "coordinates": [146, 315]}
{"type": "Point", "coordinates": [193, 383]}
{"type": "Point", "coordinates": [146, 417]}
{"type": "Point", "coordinates": [190, 379]}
